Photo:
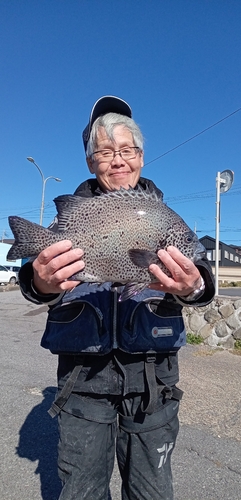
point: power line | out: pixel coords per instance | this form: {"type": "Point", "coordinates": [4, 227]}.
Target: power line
{"type": "Point", "coordinates": [49, 206]}
{"type": "Point", "coordinates": [193, 137]}
{"type": "Point", "coordinates": [50, 210]}
{"type": "Point", "coordinates": [199, 195]}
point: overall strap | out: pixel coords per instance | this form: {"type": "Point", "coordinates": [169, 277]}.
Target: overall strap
{"type": "Point", "coordinates": [151, 384]}
{"type": "Point", "coordinates": [154, 389]}
{"type": "Point", "coordinates": [65, 392]}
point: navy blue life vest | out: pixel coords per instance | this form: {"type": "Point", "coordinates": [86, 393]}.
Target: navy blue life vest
{"type": "Point", "coordinates": [91, 320]}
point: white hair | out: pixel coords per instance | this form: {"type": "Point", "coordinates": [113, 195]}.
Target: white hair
{"type": "Point", "coordinates": [109, 121]}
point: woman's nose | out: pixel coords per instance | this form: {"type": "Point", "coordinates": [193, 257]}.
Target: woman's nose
{"type": "Point", "coordinates": [117, 160]}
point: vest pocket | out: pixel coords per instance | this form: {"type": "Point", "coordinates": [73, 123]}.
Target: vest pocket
{"type": "Point", "coordinates": [157, 329]}
{"type": "Point", "coordinates": [76, 327]}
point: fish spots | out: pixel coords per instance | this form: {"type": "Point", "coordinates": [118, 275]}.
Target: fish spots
{"type": "Point", "coordinates": [107, 227]}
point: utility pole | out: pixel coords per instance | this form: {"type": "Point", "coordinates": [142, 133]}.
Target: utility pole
{"type": "Point", "coordinates": [3, 234]}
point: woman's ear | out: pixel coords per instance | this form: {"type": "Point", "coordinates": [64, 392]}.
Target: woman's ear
{"type": "Point", "coordinates": [142, 158]}
{"type": "Point", "coordinates": [90, 165]}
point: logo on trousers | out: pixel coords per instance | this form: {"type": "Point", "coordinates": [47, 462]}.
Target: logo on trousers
{"type": "Point", "coordinates": [164, 450]}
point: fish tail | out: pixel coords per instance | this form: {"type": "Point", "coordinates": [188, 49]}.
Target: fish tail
{"type": "Point", "coordinates": [30, 238]}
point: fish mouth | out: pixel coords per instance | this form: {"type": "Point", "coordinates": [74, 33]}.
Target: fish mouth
{"type": "Point", "coordinates": [200, 252]}
{"type": "Point", "coordinates": [199, 255]}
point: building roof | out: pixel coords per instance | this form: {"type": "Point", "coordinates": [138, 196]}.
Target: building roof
{"type": "Point", "coordinates": [9, 241]}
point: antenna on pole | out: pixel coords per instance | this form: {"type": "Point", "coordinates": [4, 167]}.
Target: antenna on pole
{"type": "Point", "coordinates": [224, 182]}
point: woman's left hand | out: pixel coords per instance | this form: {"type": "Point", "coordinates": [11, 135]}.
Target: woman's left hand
{"type": "Point", "coordinates": [185, 275]}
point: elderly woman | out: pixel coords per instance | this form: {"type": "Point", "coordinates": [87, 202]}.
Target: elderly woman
{"type": "Point", "coordinates": [118, 361]}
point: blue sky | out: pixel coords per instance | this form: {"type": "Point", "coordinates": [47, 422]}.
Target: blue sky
{"type": "Point", "coordinates": [176, 62]}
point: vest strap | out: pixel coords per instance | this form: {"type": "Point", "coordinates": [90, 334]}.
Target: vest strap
{"type": "Point", "coordinates": [151, 384]}
{"type": "Point", "coordinates": [65, 392]}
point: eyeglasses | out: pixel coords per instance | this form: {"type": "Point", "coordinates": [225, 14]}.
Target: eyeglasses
{"type": "Point", "coordinates": [107, 155]}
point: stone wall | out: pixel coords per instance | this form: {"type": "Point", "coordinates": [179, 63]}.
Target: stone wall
{"type": "Point", "coordinates": [219, 323]}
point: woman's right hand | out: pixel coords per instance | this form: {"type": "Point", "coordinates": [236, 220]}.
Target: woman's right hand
{"type": "Point", "coordinates": [55, 265]}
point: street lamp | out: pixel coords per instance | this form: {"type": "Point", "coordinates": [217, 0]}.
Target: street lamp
{"type": "Point", "coordinates": [224, 182]}
{"type": "Point", "coordinates": [29, 158]}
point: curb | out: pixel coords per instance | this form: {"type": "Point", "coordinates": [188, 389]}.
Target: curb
{"type": "Point", "coordinates": [9, 288]}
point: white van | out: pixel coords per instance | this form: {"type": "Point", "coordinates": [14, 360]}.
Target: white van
{"type": "Point", "coordinates": [7, 276]}
{"type": "Point", "coordinates": [15, 269]}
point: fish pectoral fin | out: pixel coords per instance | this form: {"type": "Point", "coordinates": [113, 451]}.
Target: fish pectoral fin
{"type": "Point", "coordinates": [131, 289]}
{"type": "Point", "coordinates": [143, 258]}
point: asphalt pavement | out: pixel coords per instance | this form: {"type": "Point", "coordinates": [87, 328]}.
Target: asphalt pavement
{"type": "Point", "coordinates": [207, 457]}
{"type": "Point", "coordinates": [234, 291]}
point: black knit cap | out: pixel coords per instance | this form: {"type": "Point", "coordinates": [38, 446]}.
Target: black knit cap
{"type": "Point", "coordinates": [106, 104]}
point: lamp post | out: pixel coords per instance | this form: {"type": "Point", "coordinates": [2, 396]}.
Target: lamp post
{"type": "Point", "coordinates": [224, 181]}
{"type": "Point", "coordinates": [44, 180]}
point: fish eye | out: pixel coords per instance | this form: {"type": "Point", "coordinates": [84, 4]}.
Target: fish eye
{"type": "Point", "coordinates": [188, 238]}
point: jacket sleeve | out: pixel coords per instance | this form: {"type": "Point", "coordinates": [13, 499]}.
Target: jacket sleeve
{"type": "Point", "coordinates": [205, 270]}
{"type": "Point", "coordinates": [26, 286]}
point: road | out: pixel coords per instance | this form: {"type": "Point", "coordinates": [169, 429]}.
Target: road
{"type": "Point", "coordinates": [207, 458]}
{"type": "Point", "coordinates": [230, 292]}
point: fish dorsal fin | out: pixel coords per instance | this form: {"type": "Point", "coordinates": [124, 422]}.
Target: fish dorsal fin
{"type": "Point", "coordinates": [65, 205]}
{"type": "Point", "coordinates": [134, 193]}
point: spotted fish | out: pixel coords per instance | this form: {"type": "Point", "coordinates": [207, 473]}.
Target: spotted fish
{"type": "Point", "coordinates": [120, 233]}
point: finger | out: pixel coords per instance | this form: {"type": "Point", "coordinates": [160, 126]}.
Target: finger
{"type": "Point", "coordinates": [64, 259]}
{"type": "Point", "coordinates": [67, 285]}
{"type": "Point", "coordinates": [180, 267]}
{"type": "Point", "coordinates": [160, 275]}
{"type": "Point", "coordinates": [177, 273]}
{"type": "Point", "coordinates": [66, 272]}
{"type": "Point", "coordinates": [52, 251]}
{"type": "Point", "coordinates": [190, 275]}
{"type": "Point", "coordinates": [45, 282]}
{"type": "Point", "coordinates": [180, 282]}
{"type": "Point", "coordinates": [171, 255]}
{"type": "Point", "coordinates": [166, 285]}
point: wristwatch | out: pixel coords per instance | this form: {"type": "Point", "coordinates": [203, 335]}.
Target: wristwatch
{"type": "Point", "coordinates": [197, 293]}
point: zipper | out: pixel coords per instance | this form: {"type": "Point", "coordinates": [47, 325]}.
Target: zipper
{"type": "Point", "coordinates": [114, 318]}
